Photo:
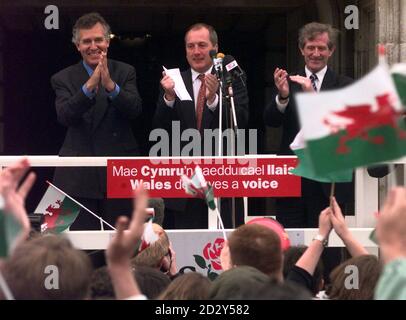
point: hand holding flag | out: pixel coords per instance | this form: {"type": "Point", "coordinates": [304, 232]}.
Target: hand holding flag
{"type": "Point", "coordinates": [198, 187]}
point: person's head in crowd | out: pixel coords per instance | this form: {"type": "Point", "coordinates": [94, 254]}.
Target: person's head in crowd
{"type": "Point", "coordinates": [151, 281]}
{"type": "Point", "coordinates": [200, 39]}
{"type": "Point", "coordinates": [292, 255]}
{"type": "Point", "coordinates": [159, 207]}
{"type": "Point", "coordinates": [257, 246]}
{"type": "Point", "coordinates": [275, 226]}
{"type": "Point", "coordinates": [157, 254]}
{"type": "Point", "coordinates": [355, 279]}
{"type": "Point", "coordinates": [188, 286]}
{"type": "Point", "coordinates": [91, 36]}
{"type": "Point", "coordinates": [317, 42]}
{"type": "Point", "coordinates": [287, 290]}
{"type": "Point", "coordinates": [48, 268]}
{"type": "Point", "coordinates": [100, 285]}
{"type": "Point", "coordinates": [239, 283]}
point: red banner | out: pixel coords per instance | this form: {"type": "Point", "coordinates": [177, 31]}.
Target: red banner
{"type": "Point", "coordinates": [230, 177]}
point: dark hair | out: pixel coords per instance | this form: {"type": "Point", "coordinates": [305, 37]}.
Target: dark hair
{"type": "Point", "coordinates": [188, 286]}
{"type": "Point", "coordinates": [88, 21]}
{"type": "Point", "coordinates": [151, 282]}
{"type": "Point", "coordinates": [313, 29]}
{"type": "Point", "coordinates": [257, 246]}
{"type": "Point", "coordinates": [239, 283]}
{"type": "Point", "coordinates": [212, 32]}
{"type": "Point", "coordinates": [287, 290]}
{"type": "Point", "coordinates": [100, 284]}
{"type": "Point", "coordinates": [26, 270]}
{"type": "Point", "coordinates": [292, 255]}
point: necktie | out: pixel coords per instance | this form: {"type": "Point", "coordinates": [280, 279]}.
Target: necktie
{"type": "Point", "coordinates": [313, 78]}
{"type": "Point", "coordinates": [201, 101]}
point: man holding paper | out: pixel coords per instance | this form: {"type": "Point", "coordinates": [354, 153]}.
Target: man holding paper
{"type": "Point", "coordinates": [199, 110]}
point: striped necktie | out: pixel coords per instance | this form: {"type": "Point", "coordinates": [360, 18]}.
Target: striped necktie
{"type": "Point", "coordinates": [201, 101]}
{"type": "Point", "coordinates": [314, 78]}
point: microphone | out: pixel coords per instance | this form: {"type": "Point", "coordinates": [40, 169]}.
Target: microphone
{"type": "Point", "coordinates": [218, 63]}
{"type": "Point", "coordinates": [233, 68]}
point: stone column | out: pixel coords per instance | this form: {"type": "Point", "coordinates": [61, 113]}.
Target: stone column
{"type": "Point", "coordinates": [389, 15]}
{"type": "Point", "coordinates": [402, 27]}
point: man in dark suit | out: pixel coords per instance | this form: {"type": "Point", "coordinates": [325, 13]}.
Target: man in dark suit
{"type": "Point", "coordinates": [95, 99]}
{"type": "Point", "coordinates": [201, 113]}
{"type": "Point", "coordinates": [317, 44]}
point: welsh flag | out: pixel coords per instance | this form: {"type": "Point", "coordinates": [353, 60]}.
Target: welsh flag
{"type": "Point", "coordinates": [305, 167]}
{"type": "Point", "coordinates": [198, 187]}
{"type": "Point", "coordinates": [9, 232]}
{"type": "Point", "coordinates": [398, 72]}
{"type": "Point", "coordinates": [355, 126]}
{"type": "Point", "coordinates": [59, 211]}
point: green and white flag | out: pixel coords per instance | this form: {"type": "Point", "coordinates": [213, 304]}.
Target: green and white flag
{"type": "Point", "coordinates": [398, 72]}
{"type": "Point", "coordinates": [305, 167]}
{"type": "Point", "coordinates": [59, 211]}
{"type": "Point", "coordinates": [198, 187]}
{"type": "Point", "coordinates": [354, 126]}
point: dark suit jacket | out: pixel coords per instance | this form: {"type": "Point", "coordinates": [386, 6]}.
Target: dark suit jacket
{"type": "Point", "coordinates": [290, 122]}
{"type": "Point", "coordinates": [185, 113]}
{"type": "Point", "coordinates": [95, 127]}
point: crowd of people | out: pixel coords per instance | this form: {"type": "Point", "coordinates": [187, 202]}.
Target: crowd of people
{"type": "Point", "coordinates": [254, 264]}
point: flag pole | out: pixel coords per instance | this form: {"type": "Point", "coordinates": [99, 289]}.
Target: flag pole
{"type": "Point", "coordinates": [221, 223]}
{"type": "Point", "coordinates": [332, 192]}
{"type": "Point", "coordinates": [82, 206]}
{"type": "Point", "coordinates": [5, 288]}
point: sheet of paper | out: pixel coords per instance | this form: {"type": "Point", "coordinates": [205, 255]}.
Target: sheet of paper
{"type": "Point", "coordinates": [180, 88]}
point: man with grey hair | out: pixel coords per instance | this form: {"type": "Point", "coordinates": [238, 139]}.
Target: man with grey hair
{"type": "Point", "coordinates": [96, 100]}
{"type": "Point", "coordinates": [317, 43]}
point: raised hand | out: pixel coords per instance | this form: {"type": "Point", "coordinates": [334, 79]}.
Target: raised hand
{"type": "Point", "coordinates": [14, 195]}
{"type": "Point", "coordinates": [93, 83]}
{"type": "Point", "coordinates": [306, 83]}
{"type": "Point", "coordinates": [338, 220]}
{"type": "Point", "coordinates": [391, 225]}
{"type": "Point", "coordinates": [105, 78]}
{"type": "Point", "coordinates": [212, 86]}
{"type": "Point", "coordinates": [169, 87]}
{"type": "Point", "coordinates": [280, 77]}
{"type": "Point", "coordinates": [123, 245]}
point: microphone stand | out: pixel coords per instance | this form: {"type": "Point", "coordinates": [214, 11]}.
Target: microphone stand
{"type": "Point", "coordinates": [233, 135]}
{"type": "Point", "coordinates": [220, 140]}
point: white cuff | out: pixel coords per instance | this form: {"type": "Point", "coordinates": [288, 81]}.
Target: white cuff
{"type": "Point", "coordinates": [170, 104]}
{"type": "Point", "coordinates": [281, 106]}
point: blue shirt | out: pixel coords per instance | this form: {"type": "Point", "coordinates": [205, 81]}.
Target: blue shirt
{"type": "Point", "coordinates": [91, 94]}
